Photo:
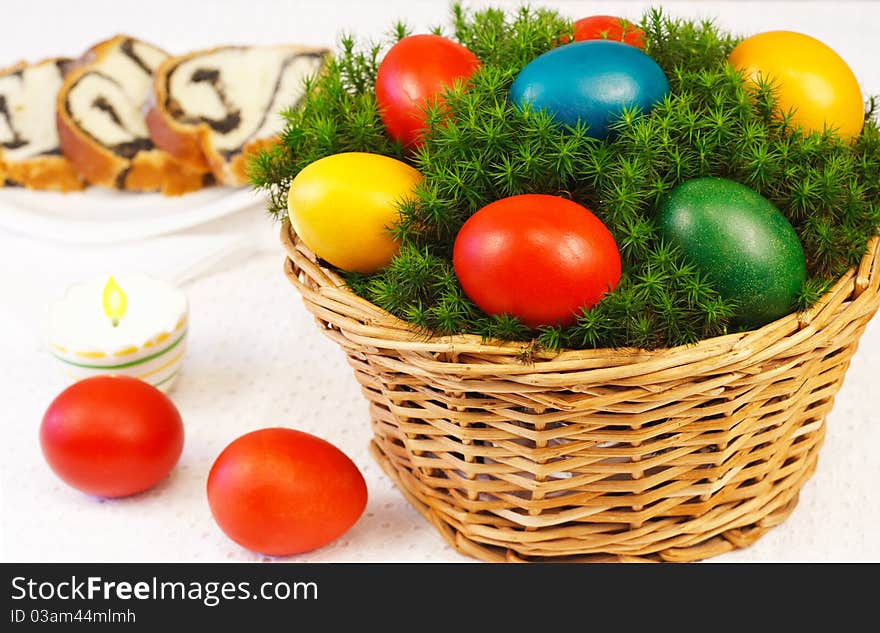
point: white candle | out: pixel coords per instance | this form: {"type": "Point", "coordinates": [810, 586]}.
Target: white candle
{"type": "Point", "coordinates": [133, 325]}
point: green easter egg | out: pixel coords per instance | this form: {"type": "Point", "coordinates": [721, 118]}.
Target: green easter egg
{"type": "Point", "coordinates": [741, 241]}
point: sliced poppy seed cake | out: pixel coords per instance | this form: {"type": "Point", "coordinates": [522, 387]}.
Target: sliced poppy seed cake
{"type": "Point", "coordinates": [213, 108]}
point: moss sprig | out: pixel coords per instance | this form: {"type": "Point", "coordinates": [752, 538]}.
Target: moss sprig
{"type": "Point", "coordinates": [480, 148]}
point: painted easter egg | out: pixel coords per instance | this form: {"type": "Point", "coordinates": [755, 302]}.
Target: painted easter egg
{"type": "Point", "coordinates": [281, 491]}
{"type": "Point", "coordinates": [741, 241]}
{"type": "Point", "coordinates": [591, 81]}
{"type": "Point", "coordinates": [538, 257]}
{"type": "Point", "coordinates": [111, 436]}
{"type": "Point", "coordinates": [412, 75]}
{"type": "Point", "coordinates": [609, 27]}
{"type": "Point", "coordinates": [811, 80]}
{"type": "Point", "coordinates": [343, 205]}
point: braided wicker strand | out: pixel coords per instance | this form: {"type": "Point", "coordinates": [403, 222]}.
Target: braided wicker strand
{"type": "Point", "coordinates": [676, 454]}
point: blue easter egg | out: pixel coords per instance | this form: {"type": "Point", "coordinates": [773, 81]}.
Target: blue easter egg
{"type": "Point", "coordinates": [591, 81]}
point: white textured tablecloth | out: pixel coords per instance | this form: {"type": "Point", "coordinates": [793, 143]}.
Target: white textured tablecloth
{"type": "Point", "coordinates": [256, 358]}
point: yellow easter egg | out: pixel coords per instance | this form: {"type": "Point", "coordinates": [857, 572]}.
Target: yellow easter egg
{"type": "Point", "coordinates": [343, 205]}
{"type": "Point", "coordinates": [812, 80]}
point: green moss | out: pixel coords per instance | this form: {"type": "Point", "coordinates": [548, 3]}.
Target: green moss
{"type": "Point", "coordinates": [712, 123]}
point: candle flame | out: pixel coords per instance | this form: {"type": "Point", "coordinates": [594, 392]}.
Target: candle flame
{"type": "Point", "coordinates": [115, 301]}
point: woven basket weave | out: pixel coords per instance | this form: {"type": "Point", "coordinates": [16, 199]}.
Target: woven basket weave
{"type": "Point", "coordinates": [597, 455]}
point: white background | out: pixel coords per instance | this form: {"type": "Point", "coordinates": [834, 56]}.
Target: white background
{"type": "Point", "coordinates": [256, 358]}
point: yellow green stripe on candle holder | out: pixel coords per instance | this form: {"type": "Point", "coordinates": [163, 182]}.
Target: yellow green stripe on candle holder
{"type": "Point", "coordinates": [159, 368]}
{"type": "Point", "coordinates": [126, 365]}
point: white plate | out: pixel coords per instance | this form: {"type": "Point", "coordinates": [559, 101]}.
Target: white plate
{"type": "Point", "coordinates": [102, 216]}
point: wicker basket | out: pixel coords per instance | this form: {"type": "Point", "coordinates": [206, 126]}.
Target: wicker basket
{"type": "Point", "coordinates": [598, 455]}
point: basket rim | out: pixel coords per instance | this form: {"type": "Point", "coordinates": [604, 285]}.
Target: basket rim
{"type": "Point", "coordinates": [859, 286]}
